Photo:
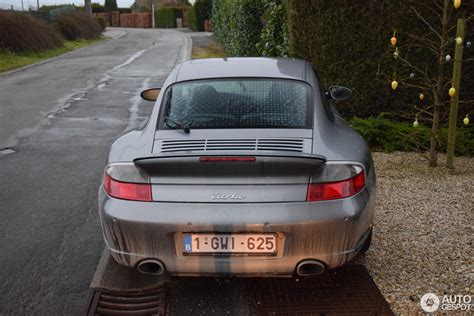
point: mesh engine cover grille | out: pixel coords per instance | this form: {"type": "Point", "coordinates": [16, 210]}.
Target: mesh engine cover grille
{"type": "Point", "coordinates": [247, 144]}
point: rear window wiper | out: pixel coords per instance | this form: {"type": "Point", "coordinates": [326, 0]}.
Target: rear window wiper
{"type": "Point", "coordinates": [175, 125]}
{"type": "Point", "coordinates": [167, 120]}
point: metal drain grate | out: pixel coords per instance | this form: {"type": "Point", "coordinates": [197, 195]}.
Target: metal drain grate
{"type": "Point", "coordinates": [346, 291]}
{"type": "Point", "coordinates": [121, 303]}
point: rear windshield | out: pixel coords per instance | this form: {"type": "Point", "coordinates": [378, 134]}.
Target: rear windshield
{"type": "Point", "coordinates": [238, 103]}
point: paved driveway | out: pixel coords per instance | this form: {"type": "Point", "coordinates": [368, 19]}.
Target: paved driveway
{"type": "Point", "coordinates": [60, 118]}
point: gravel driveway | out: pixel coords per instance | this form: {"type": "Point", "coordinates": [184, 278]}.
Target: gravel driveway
{"type": "Point", "coordinates": [423, 229]}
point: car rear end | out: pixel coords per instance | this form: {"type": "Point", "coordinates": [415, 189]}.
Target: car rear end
{"type": "Point", "coordinates": [243, 193]}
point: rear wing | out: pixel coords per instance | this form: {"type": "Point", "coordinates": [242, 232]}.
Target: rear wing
{"type": "Point", "coordinates": [238, 164]}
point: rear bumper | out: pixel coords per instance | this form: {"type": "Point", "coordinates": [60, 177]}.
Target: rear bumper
{"type": "Point", "coordinates": [330, 231]}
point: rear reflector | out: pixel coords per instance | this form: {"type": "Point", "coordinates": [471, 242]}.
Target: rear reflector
{"type": "Point", "coordinates": [227, 159]}
{"type": "Point", "coordinates": [127, 191]}
{"type": "Point", "coordinates": [335, 190]}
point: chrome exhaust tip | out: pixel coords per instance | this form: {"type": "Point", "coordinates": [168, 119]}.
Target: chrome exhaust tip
{"type": "Point", "coordinates": [151, 266]}
{"type": "Point", "coordinates": [310, 267]}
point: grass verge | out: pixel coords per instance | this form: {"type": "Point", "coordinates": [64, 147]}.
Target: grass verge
{"type": "Point", "coordinates": [212, 51]}
{"type": "Point", "coordinates": [10, 60]}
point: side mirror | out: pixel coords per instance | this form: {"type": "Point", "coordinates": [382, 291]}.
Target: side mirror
{"type": "Point", "coordinates": [339, 93]}
{"type": "Point", "coordinates": [150, 94]}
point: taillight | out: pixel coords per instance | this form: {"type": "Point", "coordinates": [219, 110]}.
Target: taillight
{"type": "Point", "coordinates": [125, 181]}
{"type": "Point", "coordinates": [337, 189]}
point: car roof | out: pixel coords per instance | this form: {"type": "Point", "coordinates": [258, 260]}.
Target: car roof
{"type": "Point", "coordinates": [287, 68]}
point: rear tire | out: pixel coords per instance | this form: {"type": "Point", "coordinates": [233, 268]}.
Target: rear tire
{"type": "Point", "coordinates": [367, 243]}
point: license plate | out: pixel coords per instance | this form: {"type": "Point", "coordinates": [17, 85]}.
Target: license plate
{"type": "Point", "coordinates": [230, 244]}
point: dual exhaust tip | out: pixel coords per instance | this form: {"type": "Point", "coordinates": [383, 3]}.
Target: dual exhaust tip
{"type": "Point", "coordinates": [305, 268]}
{"type": "Point", "coordinates": [310, 267]}
{"type": "Point", "coordinates": [151, 266]}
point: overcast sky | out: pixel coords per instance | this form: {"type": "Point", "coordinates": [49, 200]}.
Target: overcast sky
{"type": "Point", "coordinates": [26, 3]}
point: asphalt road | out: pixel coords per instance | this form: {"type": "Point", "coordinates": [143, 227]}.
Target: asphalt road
{"type": "Point", "coordinates": [60, 118]}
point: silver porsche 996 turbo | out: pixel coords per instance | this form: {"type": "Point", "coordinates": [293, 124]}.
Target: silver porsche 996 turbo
{"type": "Point", "coordinates": [243, 168]}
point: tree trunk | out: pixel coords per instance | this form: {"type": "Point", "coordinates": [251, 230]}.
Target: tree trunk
{"type": "Point", "coordinates": [434, 131]}
{"type": "Point", "coordinates": [87, 7]}
{"type": "Point", "coordinates": [438, 91]}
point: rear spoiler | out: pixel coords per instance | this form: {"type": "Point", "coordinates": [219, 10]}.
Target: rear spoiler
{"type": "Point", "coordinates": [277, 162]}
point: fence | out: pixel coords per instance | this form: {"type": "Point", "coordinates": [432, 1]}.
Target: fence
{"type": "Point", "coordinates": [141, 20]}
{"type": "Point", "coordinates": [135, 20]}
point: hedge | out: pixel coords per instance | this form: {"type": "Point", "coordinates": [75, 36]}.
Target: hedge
{"type": "Point", "coordinates": [348, 43]}
{"type": "Point", "coordinates": [192, 19]}
{"type": "Point", "coordinates": [166, 17]}
{"type": "Point", "coordinates": [102, 22]}
{"type": "Point", "coordinates": [385, 135]}
{"type": "Point", "coordinates": [273, 40]}
{"type": "Point", "coordinates": [202, 10]}
{"type": "Point", "coordinates": [77, 25]}
{"type": "Point", "coordinates": [21, 32]}
{"type": "Point", "coordinates": [237, 25]}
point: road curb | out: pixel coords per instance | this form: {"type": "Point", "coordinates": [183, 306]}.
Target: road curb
{"type": "Point", "coordinates": [23, 68]}
{"type": "Point", "coordinates": [188, 47]}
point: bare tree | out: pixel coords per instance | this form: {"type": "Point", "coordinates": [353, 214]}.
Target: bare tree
{"type": "Point", "coordinates": [433, 81]}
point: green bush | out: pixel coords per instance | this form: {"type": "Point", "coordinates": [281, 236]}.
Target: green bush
{"type": "Point", "coordinates": [237, 25]}
{"type": "Point", "coordinates": [274, 38]}
{"type": "Point", "coordinates": [385, 135]}
{"type": "Point", "coordinates": [192, 20]}
{"type": "Point", "coordinates": [166, 17]}
{"type": "Point", "coordinates": [23, 33]}
{"type": "Point", "coordinates": [345, 41]}
{"type": "Point", "coordinates": [102, 22]}
{"type": "Point", "coordinates": [97, 8]}
{"type": "Point", "coordinates": [202, 10]}
{"type": "Point", "coordinates": [77, 25]}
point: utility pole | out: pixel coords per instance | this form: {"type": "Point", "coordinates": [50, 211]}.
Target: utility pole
{"type": "Point", "coordinates": [153, 14]}
{"type": "Point", "coordinates": [87, 7]}
{"type": "Point", "coordinates": [37, 5]}
{"type": "Point", "coordinates": [456, 83]}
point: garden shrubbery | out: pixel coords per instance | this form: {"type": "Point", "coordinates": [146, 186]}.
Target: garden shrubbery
{"type": "Point", "coordinates": [202, 10]}
{"type": "Point", "coordinates": [102, 22]}
{"type": "Point", "coordinates": [192, 19]}
{"type": "Point", "coordinates": [166, 17]}
{"type": "Point", "coordinates": [77, 25]}
{"type": "Point", "coordinates": [386, 135]}
{"type": "Point", "coordinates": [23, 33]}
{"type": "Point", "coordinates": [274, 37]}
{"type": "Point", "coordinates": [237, 25]}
